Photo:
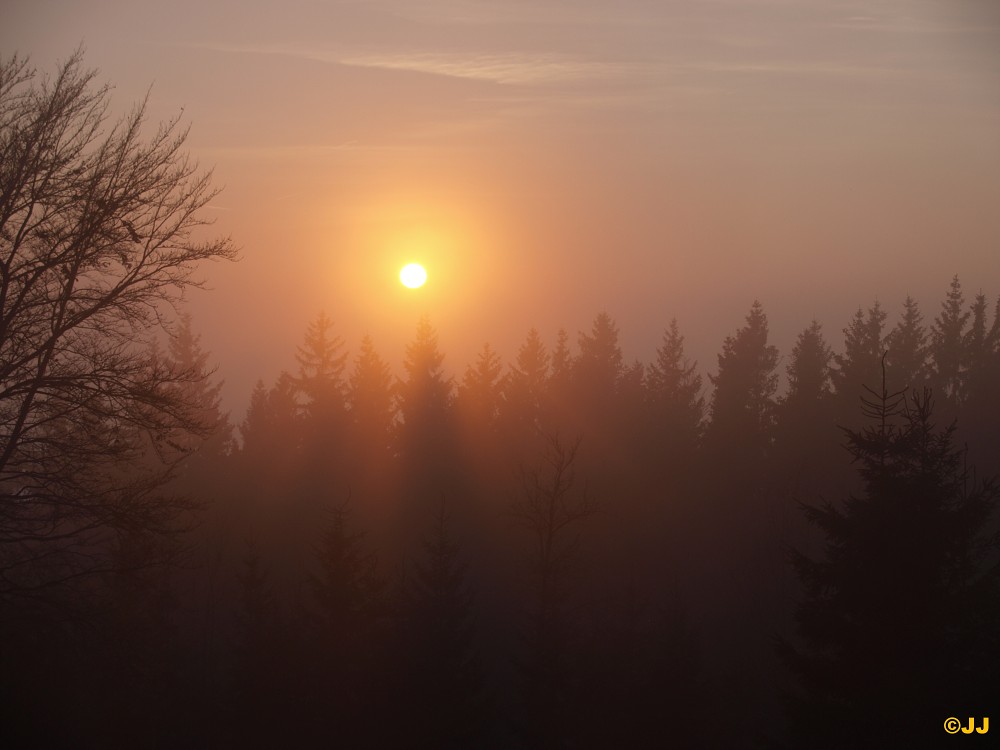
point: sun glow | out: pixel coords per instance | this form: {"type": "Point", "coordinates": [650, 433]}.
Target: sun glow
{"type": "Point", "coordinates": [413, 275]}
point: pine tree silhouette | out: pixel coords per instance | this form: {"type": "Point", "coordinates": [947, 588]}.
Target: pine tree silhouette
{"type": "Point", "coordinates": [899, 622]}
{"type": "Point", "coordinates": [443, 691]}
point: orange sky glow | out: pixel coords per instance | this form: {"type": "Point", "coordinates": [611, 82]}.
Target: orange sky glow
{"type": "Point", "coordinates": [549, 160]}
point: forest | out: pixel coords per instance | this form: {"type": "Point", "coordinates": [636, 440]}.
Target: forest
{"type": "Point", "coordinates": [566, 550]}
{"type": "Point", "coordinates": [561, 549]}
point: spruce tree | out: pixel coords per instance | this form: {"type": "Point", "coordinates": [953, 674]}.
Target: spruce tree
{"type": "Point", "coordinates": [595, 403]}
{"type": "Point", "coordinates": [324, 414]}
{"type": "Point", "coordinates": [321, 366]}
{"type": "Point", "coordinates": [947, 345]}
{"type": "Point", "coordinates": [346, 673]}
{"type": "Point", "coordinates": [906, 363]}
{"type": "Point", "coordinates": [743, 403]}
{"type": "Point", "coordinates": [372, 411]}
{"type": "Point", "coordinates": [261, 660]}
{"type": "Point", "coordinates": [975, 341]}
{"type": "Point", "coordinates": [558, 391]}
{"type": "Point", "coordinates": [426, 438]}
{"type": "Point", "coordinates": [189, 362]}
{"type": "Point", "coordinates": [478, 398]}
{"type": "Point", "coordinates": [806, 433]}
{"type": "Point", "coordinates": [669, 430]}
{"type": "Point", "coordinates": [425, 394]}
{"type": "Point", "coordinates": [809, 370]}
{"type": "Point", "coordinates": [899, 621]}
{"type": "Point", "coordinates": [674, 389]}
{"type": "Point", "coordinates": [443, 692]}
{"type": "Point", "coordinates": [860, 363]}
{"type": "Point", "coordinates": [523, 406]}
{"type": "Point", "coordinates": [981, 406]}
{"type": "Point", "coordinates": [863, 347]}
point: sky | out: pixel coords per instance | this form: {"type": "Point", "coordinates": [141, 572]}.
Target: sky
{"type": "Point", "coordinates": [548, 161]}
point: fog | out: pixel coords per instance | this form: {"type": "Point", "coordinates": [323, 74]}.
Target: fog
{"type": "Point", "coordinates": [652, 160]}
{"type": "Point", "coordinates": [660, 452]}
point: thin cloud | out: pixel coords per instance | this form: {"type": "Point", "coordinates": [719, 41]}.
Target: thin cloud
{"type": "Point", "coordinates": [510, 68]}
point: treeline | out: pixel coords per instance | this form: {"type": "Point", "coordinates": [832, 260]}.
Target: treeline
{"type": "Point", "coordinates": [567, 550]}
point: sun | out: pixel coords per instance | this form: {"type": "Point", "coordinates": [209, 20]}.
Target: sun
{"type": "Point", "coordinates": [413, 275]}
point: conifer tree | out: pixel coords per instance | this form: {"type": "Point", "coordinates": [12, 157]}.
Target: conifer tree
{"type": "Point", "coordinates": [975, 342]}
{"type": "Point", "coordinates": [425, 395]}
{"type": "Point", "coordinates": [560, 380]}
{"type": "Point", "coordinates": [674, 390]}
{"type": "Point", "coordinates": [426, 441]}
{"type": "Point", "coordinates": [261, 659]}
{"type": "Point", "coordinates": [806, 453]}
{"type": "Point", "coordinates": [523, 400]}
{"type": "Point", "coordinates": [906, 363]}
{"type": "Point", "coordinates": [443, 693]}
{"type": "Point", "coordinates": [809, 370]}
{"type": "Point", "coordinates": [347, 674]}
{"type": "Point", "coordinates": [271, 430]}
{"type": "Point", "coordinates": [346, 587]}
{"type": "Point", "coordinates": [861, 362]}
{"type": "Point", "coordinates": [899, 619]}
{"type": "Point", "coordinates": [595, 393]}
{"type": "Point", "coordinates": [321, 366]}
{"type": "Point", "coordinates": [370, 397]}
{"type": "Point", "coordinates": [479, 393]}
{"type": "Point", "coordinates": [947, 344]}
{"type": "Point", "coordinates": [325, 422]}
{"type": "Point", "coordinates": [981, 406]}
{"type": "Point", "coordinates": [600, 363]}
{"type": "Point", "coordinates": [189, 361]}
{"type": "Point", "coordinates": [745, 385]}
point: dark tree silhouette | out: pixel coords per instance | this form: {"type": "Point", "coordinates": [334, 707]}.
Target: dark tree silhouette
{"type": "Point", "coordinates": [478, 399]}
{"type": "Point", "coordinates": [272, 428]}
{"type": "Point", "coordinates": [262, 687]}
{"type": "Point", "coordinates": [424, 396]}
{"type": "Point", "coordinates": [373, 426]}
{"type": "Point", "coordinates": [906, 364]}
{"type": "Point", "coordinates": [860, 362]}
{"type": "Point", "coordinates": [806, 436]}
{"type": "Point", "coordinates": [560, 379]}
{"type": "Point", "coordinates": [676, 404]}
{"type": "Point", "coordinates": [809, 370]}
{"type": "Point", "coordinates": [597, 372]}
{"type": "Point", "coordinates": [743, 403]}
{"type": "Point", "coordinates": [346, 673]}
{"type": "Point", "coordinates": [524, 406]}
{"type": "Point", "coordinates": [898, 620]}
{"type": "Point", "coordinates": [550, 510]}
{"type": "Point", "coordinates": [96, 246]}
{"type": "Point", "coordinates": [426, 435]}
{"type": "Point", "coordinates": [326, 461]}
{"type": "Point", "coordinates": [321, 370]}
{"type": "Point", "coordinates": [600, 362]}
{"type": "Point", "coordinates": [443, 693]}
{"type": "Point", "coordinates": [947, 344]}
{"type": "Point", "coordinates": [371, 402]}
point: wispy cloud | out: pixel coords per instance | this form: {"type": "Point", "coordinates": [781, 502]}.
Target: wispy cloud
{"type": "Point", "coordinates": [508, 68]}
{"type": "Point", "coordinates": [514, 68]}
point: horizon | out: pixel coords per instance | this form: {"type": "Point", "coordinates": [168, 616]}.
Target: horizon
{"type": "Point", "coordinates": [676, 160]}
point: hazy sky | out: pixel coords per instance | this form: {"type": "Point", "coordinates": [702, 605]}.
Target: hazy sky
{"type": "Point", "coordinates": [549, 160]}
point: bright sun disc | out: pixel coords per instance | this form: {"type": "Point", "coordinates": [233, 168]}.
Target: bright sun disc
{"type": "Point", "coordinates": [413, 275]}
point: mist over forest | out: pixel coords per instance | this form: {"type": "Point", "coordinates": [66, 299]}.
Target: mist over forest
{"type": "Point", "coordinates": [792, 542]}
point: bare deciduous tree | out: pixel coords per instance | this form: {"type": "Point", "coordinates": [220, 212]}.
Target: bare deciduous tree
{"type": "Point", "coordinates": [550, 511]}
{"type": "Point", "coordinates": [98, 241]}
